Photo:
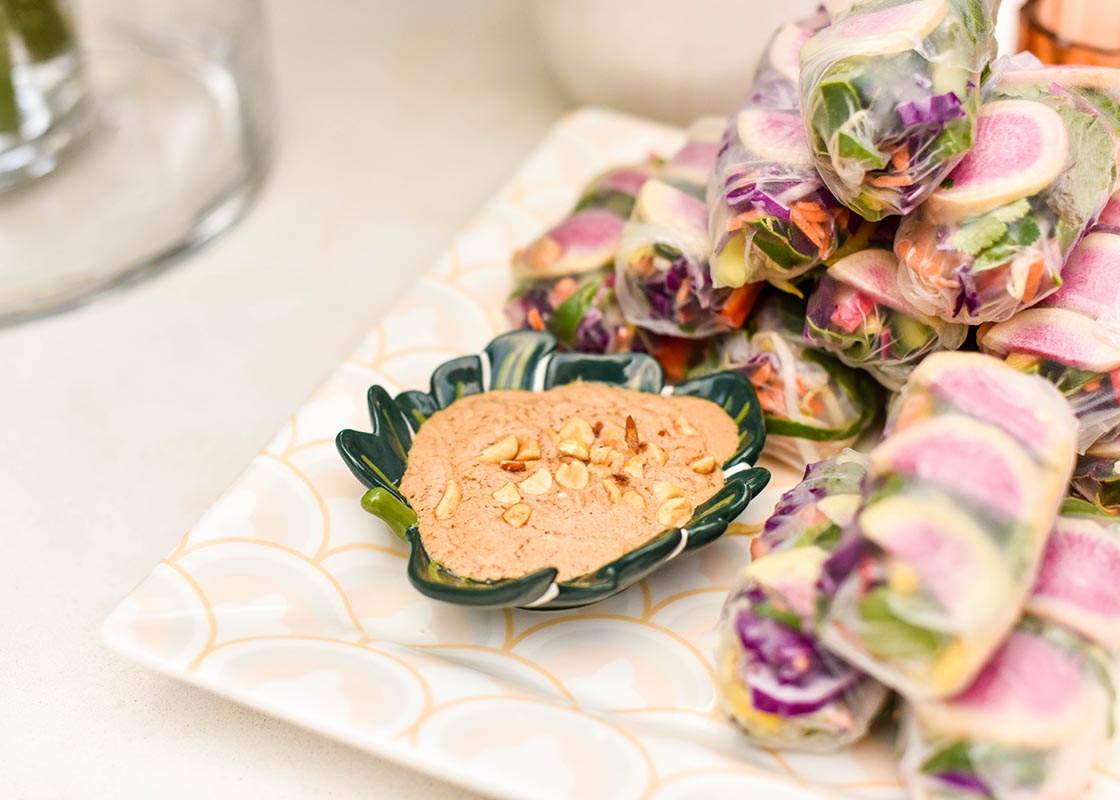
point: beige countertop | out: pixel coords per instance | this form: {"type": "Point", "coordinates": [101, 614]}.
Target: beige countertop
{"type": "Point", "coordinates": [123, 421]}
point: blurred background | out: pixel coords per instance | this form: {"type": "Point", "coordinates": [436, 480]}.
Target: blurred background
{"type": "Point", "coordinates": [345, 142]}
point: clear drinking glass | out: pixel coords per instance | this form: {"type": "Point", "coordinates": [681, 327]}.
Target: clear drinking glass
{"type": "Point", "coordinates": [131, 132]}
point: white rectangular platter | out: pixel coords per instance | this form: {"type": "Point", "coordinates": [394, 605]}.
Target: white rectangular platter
{"type": "Point", "coordinates": [288, 598]}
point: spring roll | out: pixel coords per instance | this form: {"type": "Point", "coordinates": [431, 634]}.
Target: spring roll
{"type": "Point", "coordinates": [994, 237]}
{"type": "Point", "coordinates": [770, 215]}
{"type": "Point", "coordinates": [957, 506]}
{"type": "Point", "coordinates": [858, 313]}
{"type": "Point", "coordinates": [774, 679]}
{"type": "Point", "coordinates": [1037, 716]}
{"type": "Point", "coordinates": [814, 405]}
{"type": "Point", "coordinates": [890, 92]}
{"type": "Point", "coordinates": [662, 276]}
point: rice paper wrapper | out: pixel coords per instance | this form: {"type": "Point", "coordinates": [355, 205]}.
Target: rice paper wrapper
{"type": "Point", "coordinates": [816, 510]}
{"type": "Point", "coordinates": [774, 679]}
{"type": "Point", "coordinates": [994, 237]}
{"type": "Point", "coordinates": [813, 405]}
{"type": "Point", "coordinates": [1096, 477]}
{"type": "Point", "coordinates": [587, 239]}
{"type": "Point", "coordinates": [1079, 355]}
{"type": "Point", "coordinates": [1030, 725]}
{"type": "Point", "coordinates": [890, 92]}
{"type": "Point", "coordinates": [857, 313]}
{"type": "Point", "coordinates": [770, 215]}
{"type": "Point", "coordinates": [661, 270]}
{"type": "Point", "coordinates": [581, 311]}
{"type": "Point", "coordinates": [941, 556]}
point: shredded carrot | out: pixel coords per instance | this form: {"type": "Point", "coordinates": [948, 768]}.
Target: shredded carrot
{"type": "Point", "coordinates": [816, 405]}
{"type": "Point", "coordinates": [1114, 379]}
{"type": "Point", "coordinates": [884, 181]}
{"type": "Point", "coordinates": [739, 304]}
{"type": "Point", "coordinates": [763, 373]}
{"type": "Point", "coordinates": [812, 230]}
{"type": "Point", "coordinates": [1092, 386]}
{"type": "Point", "coordinates": [739, 221]}
{"type": "Point", "coordinates": [673, 354]}
{"type": "Point", "coordinates": [842, 216]}
{"type": "Point", "coordinates": [682, 293]}
{"type": "Point", "coordinates": [811, 211]}
{"type": "Point", "coordinates": [535, 321]}
{"type": "Point", "coordinates": [769, 399]}
{"type": "Point", "coordinates": [900, 159]}
{"type": "Point", "coordinates": [1034, 278]}
{"type": "Point", "coordinates": [564, 288]}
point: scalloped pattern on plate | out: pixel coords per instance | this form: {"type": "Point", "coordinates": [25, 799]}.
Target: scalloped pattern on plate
{"type": "Point", "coordinates": [289, 598]}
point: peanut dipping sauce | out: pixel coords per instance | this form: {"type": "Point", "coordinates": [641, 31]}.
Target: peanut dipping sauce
{"type": "Point", "coordinates": [509, 482]}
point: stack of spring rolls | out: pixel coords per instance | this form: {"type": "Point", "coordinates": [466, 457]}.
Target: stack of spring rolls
{"type": "Point", "coordinates": [919, 195]}
{"type": "Point", "coordinates": [887, 194]}
{"type": "Point", "coordinates": [938, 567]}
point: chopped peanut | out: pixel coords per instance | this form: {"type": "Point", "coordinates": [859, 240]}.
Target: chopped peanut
{"type": "Point", "coordinates": [537, 483]}
{"type": "Point", "coordinates": [517, 515]}
{"type": "Point", "coordinates": [674, 512]}
{"type": "Point", "coordinates": [502, 450]}
{"type": "Point", "coordinates": [655, 454]}
{"type": "Point", "coordinates": [683, 426]}
{"type": "Point", "coordinates": [703, 465]}
{"type": "Point", "coordinates": [663, 490]}
{"type": "Point", "coordinates": [579, 429]}
{"type": "Point", "coordinates": [574, 448]}
{"type": "Point", "coordinates": [612, 490]}
{"type": "Point", "coordinates": [601, 455]}
{"type": "Point", "coordinates": [507, 495]}
{"type": "Point", "coordinates": [572, 475]}
{"type": "Point", "coordinates": [632, 498]}
{"type": "Point", "coordinates": [635, 467]}
{"type": "Point", "coordinates": [450, 501]}
{"type": "Point", "coordinates": [529, 450]}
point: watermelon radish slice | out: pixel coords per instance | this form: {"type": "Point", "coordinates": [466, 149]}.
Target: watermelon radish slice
{"type": "Point", "coordinates": [784, 54]}
{"type": "Point", "coordinates": [1031, 694]}
{"type": "Point", "coordinates": [1021, 148]}
{"type": "Point", "coordinates": [1059, 335]}
{"type": "Point", "coordinates": [624, 179]}
{"type": "Point", "coordinates": [1091, 276]}
{"type": "Point", "coordinates": [890, 30]}
{"type": "Point", "coordinates": [1076, 585]}
{"type": "Point", "coordinates": [1110, 216]}
{"type": "Point", "coordinates": [791, 575]}
{"type": "Point", "coordinates": [584, 241]}
{"type": "Point", "coordinates": [955, 559]}
{"type": "Point", "coordinates": [874, 273]}
{"type": "Point", "coordinates": [969, 459]}
{"type": "Point", "coordinates": [692, 163]}
{"type": "Point", "coordinates": [1026, 407]}
{"type": "Point", "coordinates": [775, 136]}
{"type": "Point", "coordinates": [662, 205]}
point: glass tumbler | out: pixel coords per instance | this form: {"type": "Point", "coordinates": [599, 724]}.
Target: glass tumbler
{"type": "Point", "coordinates": [131, 132]}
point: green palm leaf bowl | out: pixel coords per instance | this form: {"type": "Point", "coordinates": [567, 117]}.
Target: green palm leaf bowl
{"type": "Point", "coordinates": [529, 360]}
